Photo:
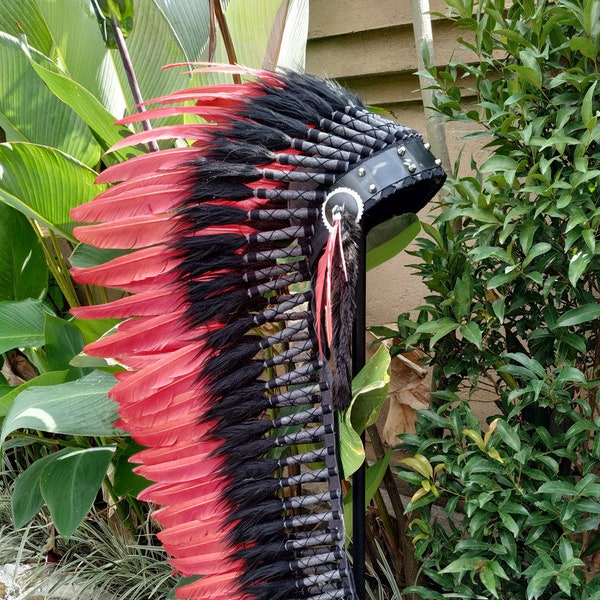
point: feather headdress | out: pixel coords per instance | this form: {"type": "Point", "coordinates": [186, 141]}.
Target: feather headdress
{"type": "Point", "coordinates": [237, 338]}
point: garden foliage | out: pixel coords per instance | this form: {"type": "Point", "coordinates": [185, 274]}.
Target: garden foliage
{"type": "Point", "coordinates": [62, 86]}
{"type": "Point", "coordinates": [512, 265]}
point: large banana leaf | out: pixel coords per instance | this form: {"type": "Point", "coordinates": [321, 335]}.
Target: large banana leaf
{"type": "Point", "coordinates": [189, 21]}
{"type": "Point", "coordinates": [79, 47]}
{"type": "Point", "coordinates": [29, 112]}
{"type": "Point", "coordinates": [23, 270]}
{"type": "Point", "coordinates": [155, 42]}
{"type": "Point", "coordinates": [287, 42]}
{"type": "Point", "coordinates": [85, 104]}
{"type": "Point", "coordinates": [279, 32]}
{"type": "Point", "coordinates": [18, 17]}
{"type": "Point", "coordinates": [44, 184]}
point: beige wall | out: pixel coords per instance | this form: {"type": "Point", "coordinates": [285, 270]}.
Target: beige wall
{"type": "Point", "coordinates": [368, 45]}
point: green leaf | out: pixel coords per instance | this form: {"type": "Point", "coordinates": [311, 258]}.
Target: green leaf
{"type": "Point", "coordinates": [45, 379]}
{"type": "Point", "coordinates": [509, 436]}
{"type": "Point", "coordinates": [471, 332]}
{"type": "Point", "coordinates": [488, 578]}
{"type": "Point", "coordinates": [21, 324]}
{"type": "Point", "coordinates": [538, 583]}
{"type": "Point", "coordinates": [420, 464]}
{"type": "Point", "coordinates": [23, 270]}
{"type": "Point", "coordinates": [537, 250]}
{"type": "Point", "coordinates": [529, 363]}
{"type": "Point", "coordinates": [369, 390]}
{"type": "Point", "coordinates": [584, 45]}
{"type": "Point", "coordinates": [465, 564]}
{"type": "Point", "coordinates": [126, 482]}
{"type": "Point", "coordinates": [189, 21]}
{"type": "Point", "coordinates": [70, 483]}
{"type": "Point", "coordinates": [509, 523]}
{"type": "Point", "coordinates": [91, 64]}
{"type": "Point", "coordinates": [373, 477]}
{"type": "Point", "coordinates": [93, 329]}
{"type": "Point", "coordinates": [85, 256]}
{"type": "Point", "coordinates": [529, 74]}
{"type": "Point", "coordinates": [18, 16]}
{"type": "Point", "coordinates": [27, 499]}
{"type": "Point", "coordinates": [562, 488]}
{"type": "Point", "coordinates": [63, 341]}
{"type": "Point", "coordinates": [389, 238]}
{"type": "Point", "coordinates": [87, 107]}
{"type": "Point", "coordinates": [439, 328]}
{"type": "Point", "coordinates": [499, 163]}
{"type": "Point", "coordinates": [352, 451]}
{"type": "Point", "coordinates": [44, 184]}
{"type": "Point", "coordinates": [576, 316]}
{"type": "Point", "coordinates": [29, 112]}
{"type": "Point", "coordinates": [578, 264]}
{"type": "Point", "coordinates": [79, 407]}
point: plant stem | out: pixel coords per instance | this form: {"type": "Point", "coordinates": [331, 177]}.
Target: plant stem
{"type": "Point", "coordinates": [411, 567]}
{"type": "Point", "coordinates": [56, 263]}
{"type": "Point", "coordinates": [131, 78]}
{"type": "Point", "coordinates": [227, 41]}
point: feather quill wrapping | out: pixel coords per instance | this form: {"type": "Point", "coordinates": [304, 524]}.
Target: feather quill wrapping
{"type": "Point", "coordinates": [225, 344]}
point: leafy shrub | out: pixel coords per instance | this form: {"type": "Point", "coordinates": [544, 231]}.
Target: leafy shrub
{"type": "Point", "coordinates": [512, 267]}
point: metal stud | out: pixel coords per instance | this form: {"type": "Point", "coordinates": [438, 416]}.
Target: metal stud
{"type": "Point", "coordinates": [427, 145]}
{"type": "Point", "coordinates": [361, 172]}
{"type": "Point", "coordinates": [401, 151]}
{"type": "Point", "coordinates": [438, 161]}
{"type": "Point", "coordinates": [372, 188]}
{"type": "Point", "coordinates": [412, 167]}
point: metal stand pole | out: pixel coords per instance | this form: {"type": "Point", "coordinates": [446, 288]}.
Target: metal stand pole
{"type": "Point", "coordinates": [358, 479]}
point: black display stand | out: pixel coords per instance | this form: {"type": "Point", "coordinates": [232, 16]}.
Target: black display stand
{"type": "Point", "coordinates": [358, 479]}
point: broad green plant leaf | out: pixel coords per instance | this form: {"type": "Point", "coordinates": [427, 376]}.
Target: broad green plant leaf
{"type": "Point", "coordinates": [581, 314]}
{"type": "Point", "coordinates": [79, 407]}
{"type": "Point", "coordinates": [126, 482]}
{"type": "Point", "coordinates": [87, 106]}
{"type": "Point", "coordinates": [44, 184]}
{"type": "Point", "coordinates": [78, 47]}
{"type": "Point", "coordinates": [19, 17]}
{"type": "Point", "coordinates": [21, 324]}
{"type": "Point", "coordinates": [242, 17]}
{"type": "Point", "coordinates": [64, 340]}
{"type": "Point", "coordinates": [286, 47]}
{"type": "Point", "coordinates": [27, 499]}
{"type": "Point", "coordinates": [369, 391]}
{"type": "Point", "coordinates": [29, 112]}
{"type": "Point", "coordinates": [352, 451]}
{"type": "Point", "coordinates": [45, 379]}
{"type": "Point", "coordinates": [23, 270]}
{"type": "Point", "coordinates": [391, 237]}
{"type": "Point", "coordinates": [189, 21]}
{"type": "Point", "coordinates": [85, 256]}
{"type": "Point", "coordinates": [152, 45]}
{"type": "Point", "coordinates": [258, 17]}
{"type": "Point", "coordinates": [70, 483]}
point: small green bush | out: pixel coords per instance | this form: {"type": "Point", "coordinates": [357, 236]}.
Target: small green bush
{"type": "Point", "coordinates": [512, 266]}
